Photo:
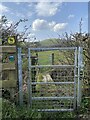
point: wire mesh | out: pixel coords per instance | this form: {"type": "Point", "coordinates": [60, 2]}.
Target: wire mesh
{"type": "Point", "coordinates": [52, 79]}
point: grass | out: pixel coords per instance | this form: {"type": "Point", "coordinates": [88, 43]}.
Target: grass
{"type": "Point", "coordinates": [45, 58]}
{"type": "Point", "coordinates": [11, 111]}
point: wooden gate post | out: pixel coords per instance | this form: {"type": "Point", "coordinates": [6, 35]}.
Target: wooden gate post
{"type": "Point", "coordinates": [9, 65]}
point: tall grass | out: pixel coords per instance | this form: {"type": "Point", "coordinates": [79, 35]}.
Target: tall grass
{"type": "Point", "coordinates": [11, 111]}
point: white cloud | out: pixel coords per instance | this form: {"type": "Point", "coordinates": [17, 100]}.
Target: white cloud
{"type": "Point", "coordinates": [40, 24]}
{"type": "Point", "coordinates": [3, 8]}
{"type": "Point", "coordinates": [60, 26]}
{"type": "Point", "coordinates": [71, 16]}
{"type": "Point", "coordinates": [52, 24]}
{"type": "Point", "coordinates": [47, 8]}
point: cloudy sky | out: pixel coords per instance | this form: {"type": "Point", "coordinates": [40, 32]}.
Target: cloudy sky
{"type": "Point", "coordinates": [48, 19]}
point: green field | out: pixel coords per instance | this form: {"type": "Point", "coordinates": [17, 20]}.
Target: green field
{"type": "Point", "coordinates": [49, 42]}
{"type": "Point", "coordinates": [45, 57]}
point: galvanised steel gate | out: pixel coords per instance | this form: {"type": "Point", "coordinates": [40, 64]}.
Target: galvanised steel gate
{"type": "Point", "coordinates": [53, 78]}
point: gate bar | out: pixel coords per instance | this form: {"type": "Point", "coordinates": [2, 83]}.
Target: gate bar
{"type": "Point", "coordinates": [62, 66]}
{"type": "Point", "coordinates": [46, 49]}
{"type": "Point", "coordinates": [52, 98]}
{"type": "Point", "coordinates": [34, 83]}
{"type": "Point", "coordinates": [54, 110]}
{"type": "Point", "coordinates": [20, 77]}
{"type": "Point", "coordinates": [80, 66]}
{"type": "Point", "coordinates": [29, 79]}
{"type": "Point", "coordinates": [75, 77]}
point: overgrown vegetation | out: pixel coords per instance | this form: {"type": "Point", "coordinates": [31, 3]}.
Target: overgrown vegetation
{"type": "Point", "coordinates": [11, 111]}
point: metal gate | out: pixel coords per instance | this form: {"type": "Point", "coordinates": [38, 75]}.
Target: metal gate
{"type": "Point", "coordinates": [53, 78]}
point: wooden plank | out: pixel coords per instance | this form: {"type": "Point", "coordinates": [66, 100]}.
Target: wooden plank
{"type": "Point", "coordinates": [8, 66]}
{"type": "Point", "coordinates": [8, 49]}
{"type": "Point", "coordinates": [8, 83]}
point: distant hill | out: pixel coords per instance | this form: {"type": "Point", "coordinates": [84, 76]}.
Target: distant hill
{"type": "Point", "coordinates": [49, 42]}
{"type": "Point", "coordinates": [57, 43]}
{"type": "Point", "coordinates": [54, 42]}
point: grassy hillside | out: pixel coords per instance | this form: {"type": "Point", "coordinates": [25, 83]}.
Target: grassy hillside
{"type": "Point", "coordinates": [49, 42]}
{"type": "Point", "coordinates": [60, 42]}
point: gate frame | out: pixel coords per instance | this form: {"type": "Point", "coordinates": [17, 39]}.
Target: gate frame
{"type": "Point", "coordinates": [80, 71]}
{"type": "Point", "coordinates": [77, 68]}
